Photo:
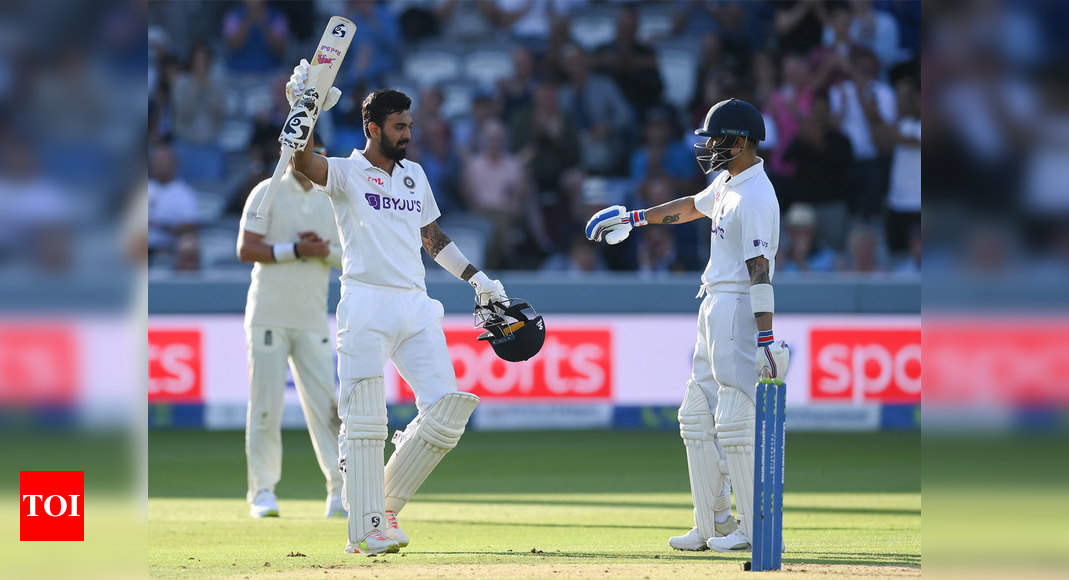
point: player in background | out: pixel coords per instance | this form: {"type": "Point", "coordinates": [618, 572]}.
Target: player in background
{"type": "Point", "coordinates": [386, 212]}
{"type": "Point", "coordinates": [735, 345]}
{"type": "Point", "coordinates": [286, 319]}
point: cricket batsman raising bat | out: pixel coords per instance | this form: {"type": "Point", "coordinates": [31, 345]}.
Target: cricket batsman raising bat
{"type": "Point", "coordinates": [310, 91]}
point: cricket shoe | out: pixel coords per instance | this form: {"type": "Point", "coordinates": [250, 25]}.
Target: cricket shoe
{"type": "Point", "coordinates": [693, 540]}
{"type": "Point", "coordinates": [373, 543]}
{"type": "Point", "coordinates": [335, 508]}
{"type": "Point", "coordinates": [265, 505]}
{"type": "Point", "coordinates": [394, 531]}
{"type": "Point", "coordinates": [736, 541]}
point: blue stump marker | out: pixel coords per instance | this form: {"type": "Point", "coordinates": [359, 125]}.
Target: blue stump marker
{"type": "Point", "coordinates": [770, 402]}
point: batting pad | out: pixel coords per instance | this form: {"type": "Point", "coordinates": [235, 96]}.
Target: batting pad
{"type": "Point", "coordinates": [735, 429]}
{"type": "Point", "coordinates": [364, 405]}
{"type": "Point", "coordinates": [697, 428]}
{"type": "Point", "coordinates": [420, 447]}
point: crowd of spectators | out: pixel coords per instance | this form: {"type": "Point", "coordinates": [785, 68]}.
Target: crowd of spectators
{"type": "Point", "coordinates": [594, 105]}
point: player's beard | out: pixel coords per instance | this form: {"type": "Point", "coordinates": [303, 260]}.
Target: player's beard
{"type": "Point", "coordinates": [395, 151]}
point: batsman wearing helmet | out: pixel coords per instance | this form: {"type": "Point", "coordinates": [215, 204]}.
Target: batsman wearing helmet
{"type": "Point", "coordinates": [735, 344]}
{"type": "Point", "coordinates": [386, 212]}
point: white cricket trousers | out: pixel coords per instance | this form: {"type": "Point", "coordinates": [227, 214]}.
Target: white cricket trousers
{"type": "Point", "coordinates": [726, 346]}
{"type": "Point", "coordinates": [311, 359]}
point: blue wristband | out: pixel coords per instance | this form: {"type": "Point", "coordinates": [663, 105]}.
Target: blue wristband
{"type": "Point", "coordinates": [637, 217]}
{"type": "Point", "coordinates": [764, 338]}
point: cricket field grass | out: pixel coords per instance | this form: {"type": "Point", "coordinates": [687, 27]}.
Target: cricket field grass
{"type": "Point", "coordinates": [546, 504]}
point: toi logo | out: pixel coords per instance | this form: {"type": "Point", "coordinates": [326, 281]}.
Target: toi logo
{"type": "Point", "coordinates": [51, 506]}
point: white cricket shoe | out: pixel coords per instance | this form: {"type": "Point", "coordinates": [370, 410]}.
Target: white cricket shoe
{"type": "Point", "coordinates": [394, 531]}
{"type": "Point", "coordinates": [265, 505]}
{"type": "Point", "coordinates": [335, 508]}
{"type": "Point", "coordinates": [736, 541]}
{"type": "Point", "coordinates": [373, 543]}
{"type": "Point", "coordinates": [693, 540]}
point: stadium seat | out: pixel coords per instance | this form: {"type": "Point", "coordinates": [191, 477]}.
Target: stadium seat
{"type": "Point", "coordinates": [487, 65]}
{"type": "Point", "coordinates": [218, 248]}
{"type": "Point", "coordinates": [678, 66]}
{"type": "Point", "coordinates": [655, 21]}
{"type": "Point", "coordinates": [429, 67]}
{"type": "Point", "coordinates": [593, 28]}
{"type": "Point", "coordinates": [457, 98]}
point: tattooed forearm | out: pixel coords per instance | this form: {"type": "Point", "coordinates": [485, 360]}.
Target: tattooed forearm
{"type": "Point", "coordinates": [434, 239]}
{"type": "Point", "coordinates": [670, 219]}
{"type": "Point", "coordinates": [758, 269]}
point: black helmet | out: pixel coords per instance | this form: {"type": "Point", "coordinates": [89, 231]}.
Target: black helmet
{"type": "Point", "coordinates": [513, 327]}
{"type": "Point", "coordinates": [730, 118]}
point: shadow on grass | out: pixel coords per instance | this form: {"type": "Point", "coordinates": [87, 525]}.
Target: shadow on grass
{"type": "Point", "coordinates": [673, 529]}
{"type": "Point", "coordinates": [831, 558]}
{"type": "Point", "coordinates": [659, 505]}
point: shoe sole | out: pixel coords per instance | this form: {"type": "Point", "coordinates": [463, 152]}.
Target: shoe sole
{"type": "Point", "coordinates": [266, 514]}
{"type": "Point", "coordinates": [729, 550]}
{"type": "Point", "coordinates": [390, 550]}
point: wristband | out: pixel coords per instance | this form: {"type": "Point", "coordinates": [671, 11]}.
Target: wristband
{"type": "Point", "coordinates": [764, 338]}
{"type": "Point", "coordinates": [762, 299]}
{"type": "Point", "coordinates": [284, 252]}
{"type": "Point", "coordinates": [452, 259]}
{"type": "Point", "coordinates": [638, 218]}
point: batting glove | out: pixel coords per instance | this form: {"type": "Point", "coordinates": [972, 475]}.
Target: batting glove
{"type": "Point", "coordinates": [772, 358]}
{"type": "Point", "coordinates": [299, 81]}
{"type": "Point", "coordinates": [487, 290]}
{"type": "Point", "coordinates": [613, 224]}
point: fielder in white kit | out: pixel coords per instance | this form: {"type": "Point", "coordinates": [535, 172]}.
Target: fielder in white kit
{"type": "Point", "coordinates": [286, 319]}
{"type": "Point", "coordinates": [386, 212]}
{"type": "Point", "coordinates": [735, 345]}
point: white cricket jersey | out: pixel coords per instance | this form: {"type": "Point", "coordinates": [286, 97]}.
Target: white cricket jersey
{"type": "Point", "coordinates": [745, 214]}
{"type": "Point", "coordinates": [289, 294]}
{"type": "Point", "coordinates": [379, 217]}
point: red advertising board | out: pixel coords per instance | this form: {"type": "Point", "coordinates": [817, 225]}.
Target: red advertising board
{"type": "Point", "coordinates": [865, 365]}
{"type": "Point", "coordinates": [175, 366]}
{"type": "Point", "coordinates": [575, 364]}
{"type": "Point", "coordinates": [38, 364]}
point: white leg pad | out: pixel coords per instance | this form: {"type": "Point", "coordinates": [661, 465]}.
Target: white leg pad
{"type": "Point", "coordinates": [363, 410]}
{"type": "Point", "coordinates": [420, 447]}
{"type": "Point", "coordinates": [697, 428]}
{"type": "Point", "coordinates": [735, 430]}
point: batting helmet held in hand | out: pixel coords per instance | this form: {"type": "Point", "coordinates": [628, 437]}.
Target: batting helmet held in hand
{"type": "Point", "coordinates": [513, 328]}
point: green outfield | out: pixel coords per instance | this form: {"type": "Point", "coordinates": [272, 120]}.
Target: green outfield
{"type": "Point", "coordinates": [583, 504]}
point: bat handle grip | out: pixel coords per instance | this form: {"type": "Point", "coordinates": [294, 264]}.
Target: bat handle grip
{"type": "Point", "coordinates": [280, 168]}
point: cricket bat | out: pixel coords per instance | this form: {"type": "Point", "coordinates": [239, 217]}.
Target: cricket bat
{"type": "Point", "coordinates": [302, 117]}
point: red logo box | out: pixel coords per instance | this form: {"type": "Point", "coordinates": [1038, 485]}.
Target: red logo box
{"type": "Point", "coordinates": [51, 506]}
{"type": "Point", "coordinates": [865, 365]}
{"type": "Point", "coordinates": [574, 364]}
{"type": "Point", "coordinates": [174, 366]}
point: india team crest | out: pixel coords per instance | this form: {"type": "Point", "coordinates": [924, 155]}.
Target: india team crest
{"type": "Point", "coordinates": [409, 182]}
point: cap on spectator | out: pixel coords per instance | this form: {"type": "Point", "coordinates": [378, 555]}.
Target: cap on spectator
{"type": "Point", "coordinates": [801, 215]}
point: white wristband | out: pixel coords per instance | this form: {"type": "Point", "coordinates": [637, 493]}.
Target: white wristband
{"type": "Point", "coordinates": [284, 252]}
{"type": "Point", "coordinates": [452, 259]}
{"type": "Point", "coordinates": [762, 299]}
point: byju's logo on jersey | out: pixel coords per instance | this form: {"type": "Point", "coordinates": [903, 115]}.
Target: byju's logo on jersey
{"type": "Point", "coordinates": [379, 202]}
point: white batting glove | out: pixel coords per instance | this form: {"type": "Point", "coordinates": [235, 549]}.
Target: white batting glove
{"type": "Point", "coordinates": [299, 81]}
{"type": "Point", "coordinates": [613, 224]}
{"type": "Point", "coordinates": [772, 358]}
{"type": "Point", "coordinates": [487, 290]}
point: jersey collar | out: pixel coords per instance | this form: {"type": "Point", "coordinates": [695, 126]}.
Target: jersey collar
{"type": "Point", "coordinates": [358, 156]}
{"type": "Point", "coordinates": [751, 171]}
